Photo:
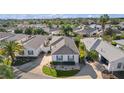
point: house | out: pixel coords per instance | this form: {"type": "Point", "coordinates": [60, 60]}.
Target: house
{"type": "Point", "coordinates": [63, 49]}
{"type": "Point", "coordinates": [5, 35]}
{"type": "Point", "coordinates": [120, 43]}
{"type": "Point", "coordinates": [96, 26]}
{"type": "Point", "coordinates": [20, 38]}
{"type": "Point", "coordinates": [121, 25]}
{"type": "Point", "coordinates": [90, 32]}
{"type": "Point", "coordinates": [34, 46]}
{"type": "Point", "coordinates": [109, 55]}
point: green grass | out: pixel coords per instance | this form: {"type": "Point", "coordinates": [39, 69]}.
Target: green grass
{"type": "Point", "coordinates": [58, 73]}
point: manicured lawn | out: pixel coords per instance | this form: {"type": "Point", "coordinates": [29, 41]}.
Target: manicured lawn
{"type": "Point", "coordinates": [58, 73]}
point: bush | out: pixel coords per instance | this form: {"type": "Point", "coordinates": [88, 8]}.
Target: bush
{"type": "Point", "coordinates": [58, 73]}
{"type": "Point", "coordinates": [92, 55]}
{"type": "Point", "coordinates": [18, 31]}
{"type": "Point", "coordinates": [6, 72]}
{"type": "Point", "coordinates": [114, 43]}
{"type": "Point", "coordinates": [62, 63]}
{"type": "Point", "coordinates": [77, 40]}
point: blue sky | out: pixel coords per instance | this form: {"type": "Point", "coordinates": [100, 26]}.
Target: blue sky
{"type": "Point", "coordinates": [41, 16]}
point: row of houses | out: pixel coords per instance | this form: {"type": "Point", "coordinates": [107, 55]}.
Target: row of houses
{"type": "Point", "coordinates": [62, 48]}
{"type": "Point", "coordinates": [109, 55]}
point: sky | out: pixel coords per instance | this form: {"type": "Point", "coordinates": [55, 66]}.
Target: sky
{"type": "Point", "coordinates": [49, 16]}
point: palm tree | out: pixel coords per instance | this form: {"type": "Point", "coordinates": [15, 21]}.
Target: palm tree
{"type": "Point", "coordinates": [10, 49]}
{"type": "Point", "coordinates": [103, 20]}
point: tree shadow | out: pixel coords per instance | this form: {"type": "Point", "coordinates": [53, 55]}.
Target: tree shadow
{"type": "Point", "coordinates": [87, 70]}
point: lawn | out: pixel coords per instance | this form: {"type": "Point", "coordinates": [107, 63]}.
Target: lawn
{"type": "Point", "coordinates": [58, 73]}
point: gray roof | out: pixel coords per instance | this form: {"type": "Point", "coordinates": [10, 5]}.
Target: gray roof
{"type": "Point", "coordinates": [17, 37]}
{"type": "Point", "coordinates": [35, 42]}
{"type": "Point", "coordinates": [4, 35]}
{"type": "Point", "coordinates": [91, 43]}
{"type": "Point", "coordinates": [65, 46]}
{"type": "Point", "coordinates": [55, 39]}
{"type": "Point", "coordinates": [110, 52]}
{"type": "Point", "coordinates": [120, 42]}
{"type": "Point", "coordinates": [89, 31]}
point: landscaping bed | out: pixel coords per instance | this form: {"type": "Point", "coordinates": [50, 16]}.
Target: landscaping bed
{"type": "Point", "coordinates": [21, 61]}
{"type": "Point", "coordinates": [58, 73]}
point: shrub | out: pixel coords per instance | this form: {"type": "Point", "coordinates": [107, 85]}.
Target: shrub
{"type": "Point", "coordinates": [114, 43]}
{"type": "Point", "coordinates": [58, 73]}
{"type": "Point", "coordinates": [92, 55]}
{"type": "Point", "coordinates": [62, 63]}
{"type": "Point", "coordinates": [6, 72]}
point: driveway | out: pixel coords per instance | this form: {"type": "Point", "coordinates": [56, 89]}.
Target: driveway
{"type": "Point", "coordinates": [88, 71]}
{"type": "Point", "coordinates": [31, 70]}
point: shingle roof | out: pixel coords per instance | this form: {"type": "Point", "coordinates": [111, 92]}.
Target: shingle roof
{"type": "Point", "coordinates": [55, 39]}
{"type": "Point", "coordinates": [110, 52]}
{"type": "Point", "coordinates": [35, 42]}
{"type": "Point", "coordinates": [91, 43]}
{"type": "Point", "coordinates": [5, 35]}
{"type": "Point", "coordinates": [121, 42]}
{"type": "Point", "coordinates": [17, 37]}
{"type": "Point", "coordinates": [65, 46]}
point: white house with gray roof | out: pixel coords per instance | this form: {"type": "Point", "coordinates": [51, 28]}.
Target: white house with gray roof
{"type": "Point", "coordinates": [64, 50]}
{"type": "Point", "coordinates": [34, 46]}
{"type": "Point", "coordinates": [112, 56]}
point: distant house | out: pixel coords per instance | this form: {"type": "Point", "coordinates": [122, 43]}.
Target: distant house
{"type": "Point", "coordinates": [110, 56]}
{"type": "Point", "coordinates": [90, 32]}
{"type": "Point", "coordinates": [20, 38]}
{"type": "Point", "coordinates": [63, 49]}
{"type": "Point", "coordinates": [5, 35]}
{"type": "Point", "coordinates": [96, 26]}
{"type": "Point", "coordinates": [120, 43]}
{"type": "Point", "coordinates": [121, 25]}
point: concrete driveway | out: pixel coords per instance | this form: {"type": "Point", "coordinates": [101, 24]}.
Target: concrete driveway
{"type": "Point", "coordinates": [88, 71]}
{"type": "Point", "coordinates": [31, 70]}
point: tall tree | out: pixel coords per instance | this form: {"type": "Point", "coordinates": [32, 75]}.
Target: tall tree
{"type": "Point", "coordinates": [103, 20]}
{"type": "Point", "coordinates": [10, 49]}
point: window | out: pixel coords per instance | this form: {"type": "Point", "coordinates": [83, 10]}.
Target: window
{"type": "Point", "coordinates": [59, 58]}
{"type": "Point", "coordinates": [30, 52]}
{"type": "Point", "coordinates": [71, 58]}
{"type": "Point", "coordinates": [119, 65]}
